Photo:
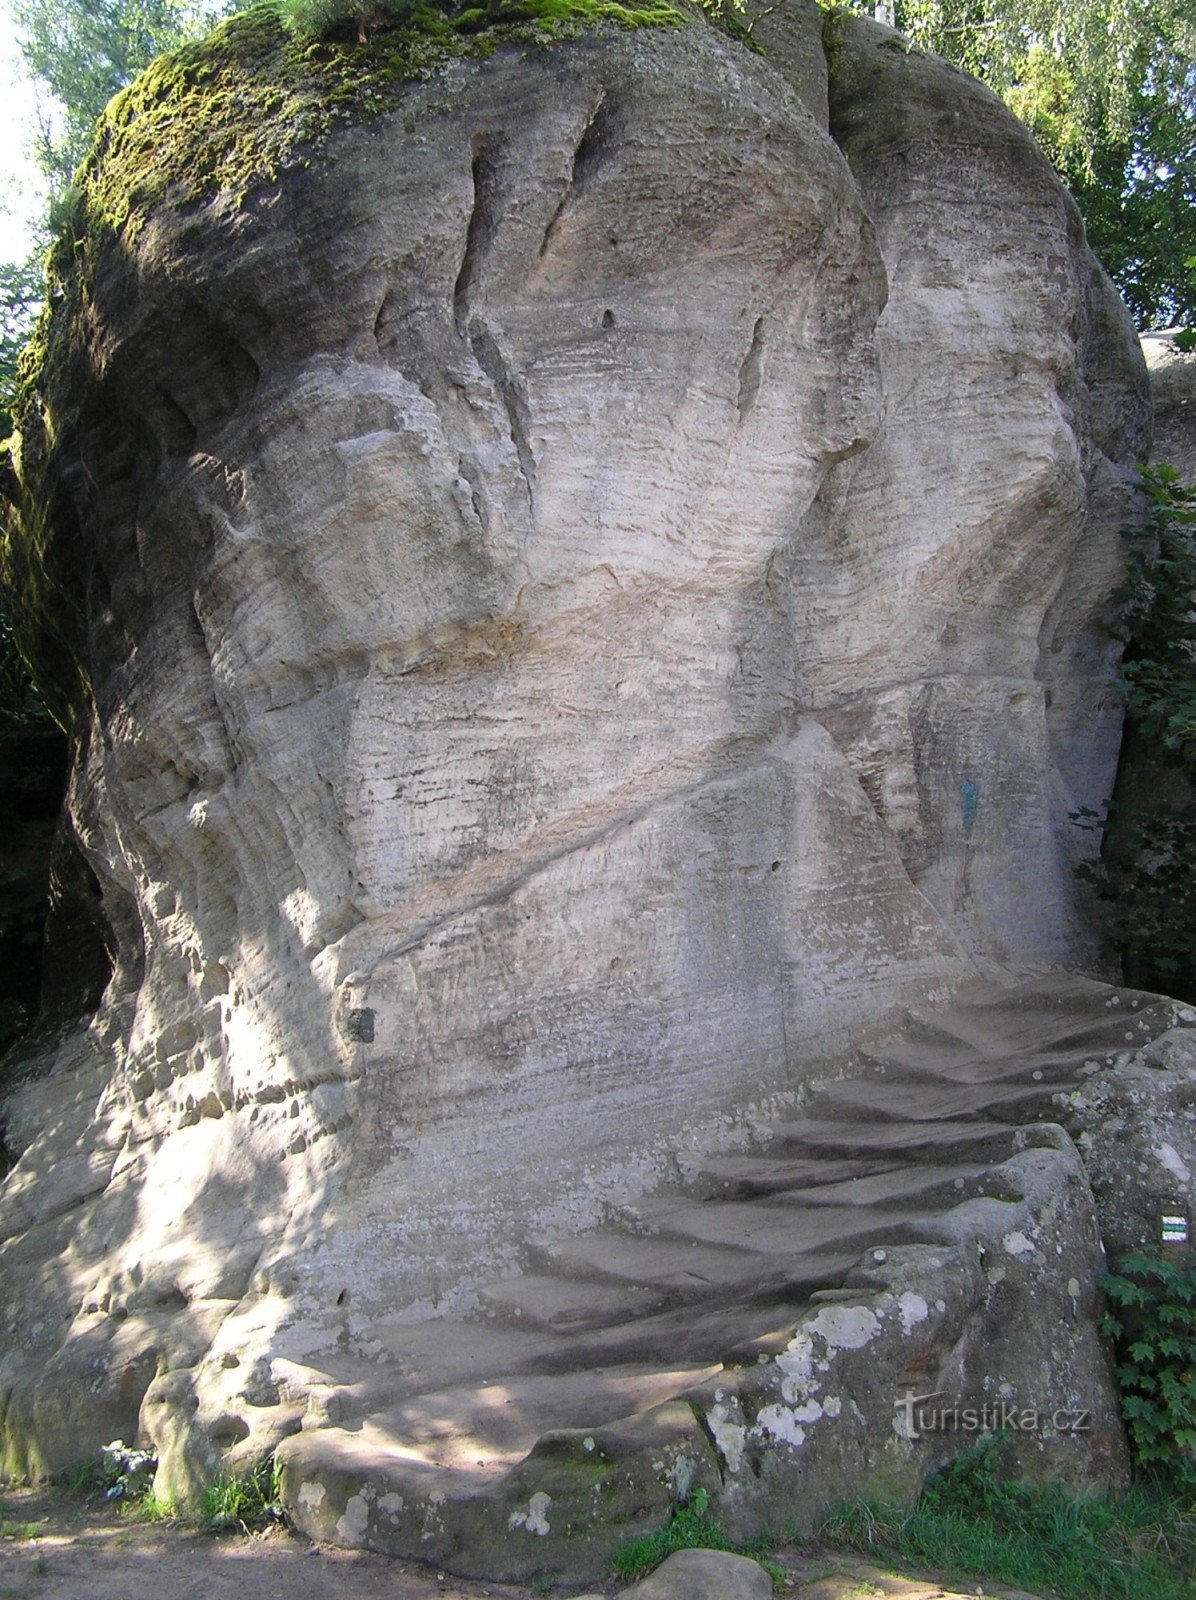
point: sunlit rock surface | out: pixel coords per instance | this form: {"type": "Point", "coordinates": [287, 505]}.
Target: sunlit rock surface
{"type": "Point", "coordinates": [593, 591]}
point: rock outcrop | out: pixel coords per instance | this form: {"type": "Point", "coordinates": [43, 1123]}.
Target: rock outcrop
{"type": "Point", "coordinates": [579, 597]}
{"type": "Point", "coordinates": [1173, 382]}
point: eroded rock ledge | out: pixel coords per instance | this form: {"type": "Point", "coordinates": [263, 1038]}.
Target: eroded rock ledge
{"type": "Point", "coordinates": [587, 598]}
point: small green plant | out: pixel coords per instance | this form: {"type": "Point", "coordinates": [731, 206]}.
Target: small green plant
{"type": "Point", "coordinates": [85, 1478]}
{"type": "Point", "coordinates": [250, 1502]}
{"type": "Point", "coordinates": [18, 1530]}
{"type": "Point", "coordinates": [127, 1472]}
{"type": "Point", "coordinates": [971, 1522]}
{"type": "Point", "coordinates": [1154, 1324]}
{"type": "Point", "coordinates": [149, 1506]}
{"type": "Point", "coordinates": [690, 1527]}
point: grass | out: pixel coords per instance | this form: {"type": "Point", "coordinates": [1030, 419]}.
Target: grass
{"type": "Point", "coordinates": [970, 1523]}
{"type": "Point", "coordinates": [18, 1530]}
{"type": "Point", "coordinates": [248, 1503]}
{"type": "Point", "coordinates": [83, 1479]}
{"type": "Point", "coordinates": [149, 1507]}
{"type": "Point", "coordinates": [690, 1527]}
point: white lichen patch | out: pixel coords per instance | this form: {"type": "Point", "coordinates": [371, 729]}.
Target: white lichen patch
{"type": "Point", "coordinates": [728, 1434]}
{"type": "Point", "coordinates": [913, 1310]}
{"type": "Point", "coordinates": [796, 1362]}
{"type": "Point", "coordinates": [535, 1518]}
{"type": "Point", "coordinates": [1016, 1244]}
{"type": "Point", "coordinates": [845, 1327]}
{"type": "Point", "coordinates": [780, 1423]}
{"type": "Point", "coordinates": [311, 1496]}
{"type": "Point", "coordinates": [352, 1525]}
{"type": "Point", "coordinates": [681, 1476]}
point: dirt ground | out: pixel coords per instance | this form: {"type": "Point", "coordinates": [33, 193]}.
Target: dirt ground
{"type": "Point", "coordinates": [53, 1547]}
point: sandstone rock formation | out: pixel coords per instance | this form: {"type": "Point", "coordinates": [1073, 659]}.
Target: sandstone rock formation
{"type": "Point", "coordinates": [1173, 383]}
{"type": "Point", "coordinates": [1136, 1130]}
{"type": "Point", "coordinates": [580, 598]}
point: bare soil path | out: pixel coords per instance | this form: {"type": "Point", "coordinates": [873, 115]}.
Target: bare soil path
{"type": "Point", "coordinates": [55, 1547]}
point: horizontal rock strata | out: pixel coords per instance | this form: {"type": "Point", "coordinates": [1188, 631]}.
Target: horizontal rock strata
{"type": "Point", "coordinates": [579, 598]}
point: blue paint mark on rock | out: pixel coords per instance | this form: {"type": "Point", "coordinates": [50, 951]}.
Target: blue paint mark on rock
{"type": "Point", "coordinates": [969, 799]}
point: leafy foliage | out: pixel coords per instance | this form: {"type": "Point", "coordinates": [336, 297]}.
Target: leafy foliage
{"type": "Point", "coordinates": [1154, 1324]}
{"type": "Point", "coordinates": [1147, 877]}
{"type": "Point", "coordinates": [127, 1471]}
{"type": "Point", "coordinates": [1149, 890]}
{"type": "Point", "coordinates": [20, 300]}
{"type": "Point", "coordinates": [81, 53]}
{"type": "Point", "coordinates": [1159, 670]}
{"type": "Point", "coordinates": [1109, 89]}
{"type": "Point", "coordinates": [971, 1521]}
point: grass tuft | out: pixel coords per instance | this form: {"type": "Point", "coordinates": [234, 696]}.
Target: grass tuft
{"type": "Point", "coordinates": [249, 1503]}
{"type": "Point", "coordinates": [969, 1522]}
{"type": "Point", "coordinates": [690, 1527]}
{"type": "Point", "coordinates": [149, 1507]}
{"type": "Point", "coordinates": [85, 1478]}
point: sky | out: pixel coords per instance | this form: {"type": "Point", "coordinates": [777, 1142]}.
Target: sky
{"type": "Point", "coordinates": [21, 196]}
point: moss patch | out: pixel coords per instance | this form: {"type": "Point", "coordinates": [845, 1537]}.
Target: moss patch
{"type": "Point", "coordinates": [223, 116]}
{"type": "Point", "coordinates": [231, 111]}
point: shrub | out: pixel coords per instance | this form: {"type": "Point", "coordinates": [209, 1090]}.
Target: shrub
{"type": "Point", "coordinates": [1147, 875]}
{"type": "Point", "coordinates": [344, 21]}
{"type": "Point", "coordinates": [1154, 1324]}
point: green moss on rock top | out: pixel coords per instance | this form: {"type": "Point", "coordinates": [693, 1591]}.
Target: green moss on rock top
{"type": "Point", "coordinates": [218, 118]}
{"type": "Point", "coordinates": [230, 111]}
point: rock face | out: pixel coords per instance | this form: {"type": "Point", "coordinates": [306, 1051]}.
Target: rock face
{"type": "Point", "coordinates": [589, 596]}
{"type": "Point", "coordinates": [1173, 382]}
{"type": "Point", "coordinates": [1136, 1130]}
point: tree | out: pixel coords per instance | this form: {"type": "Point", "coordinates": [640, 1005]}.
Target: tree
{"type": "Point", "coordinates": [82, 52]}
{"type": "Point", "coordinates": [20, 297]}
{"type": "Point", "coordinates": [1109, 89]}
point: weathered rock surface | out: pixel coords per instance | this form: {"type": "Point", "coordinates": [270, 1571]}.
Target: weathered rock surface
{"type": "Point", "coordinates": [1135, 1126]}
{"type": "Point", "coordinates": [1173, 383]}
{"type": "Point", "coordinates": [591, 591]}
{"type": "Point", "coordinates": [667, 1349]}
{"type": "Point", "coordinates": [703, 1575]}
